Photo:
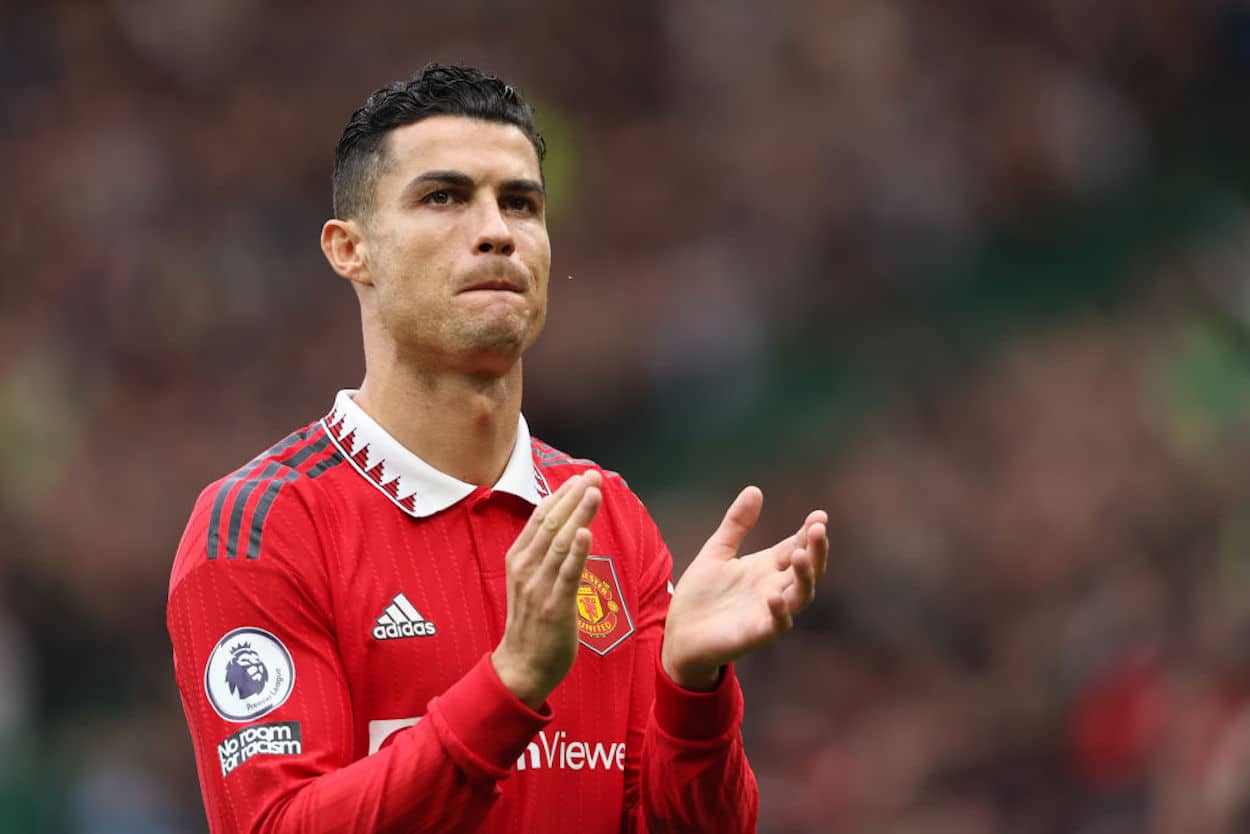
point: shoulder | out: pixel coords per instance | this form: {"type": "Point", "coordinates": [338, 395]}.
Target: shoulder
{"type": "Point", "coordinates": [274, 489]}
{"type": "Point", "coordinates": [556, 467]}
{"type": "Point", "coordinates": [633, 534]}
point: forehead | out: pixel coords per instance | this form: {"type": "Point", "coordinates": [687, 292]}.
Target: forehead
{"type": "Point", "coordinates": [483, 150]}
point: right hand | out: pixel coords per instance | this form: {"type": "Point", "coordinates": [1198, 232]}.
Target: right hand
{"type": "Point", "coordinates": [544, 568]}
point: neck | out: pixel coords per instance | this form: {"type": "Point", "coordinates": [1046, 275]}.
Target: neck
{"type": "Point", "coordinates": [461, 424]}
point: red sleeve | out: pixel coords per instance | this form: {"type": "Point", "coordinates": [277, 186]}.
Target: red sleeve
{"type": "Point", "coordinates": [267, 701]}
{"type": "Point", "coordinates": [686, 769]}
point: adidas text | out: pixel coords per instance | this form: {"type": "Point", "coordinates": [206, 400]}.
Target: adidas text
{"type": "Point", "coordinates": [425, 628]}
{"type": "Point", "coordinates": [402, 619]}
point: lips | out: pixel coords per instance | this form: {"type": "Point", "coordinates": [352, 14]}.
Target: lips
{"type": "Point", "coordinates": [500, 276]}
{"type": "Point", "coordinates": [502, 284]}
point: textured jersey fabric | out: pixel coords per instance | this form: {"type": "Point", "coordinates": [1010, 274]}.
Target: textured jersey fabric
{"type": "Point", "coordinates": [332, 607]}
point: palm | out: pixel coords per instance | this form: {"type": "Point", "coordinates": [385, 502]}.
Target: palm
{"type": "Point", "coordinates": [724, 604]}
{"type": "Point", "coordinates": [725, 607]}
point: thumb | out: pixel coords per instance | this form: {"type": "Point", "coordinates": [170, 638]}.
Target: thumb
{"type": "Point", "coordinates": [738, 521]}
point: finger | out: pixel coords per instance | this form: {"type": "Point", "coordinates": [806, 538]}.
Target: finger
{"type": "Point", "coordinates": [803, 590]}
{"type": "Point", "coordinates": [818, 544]}
{"type": "Point", "coordinates": [816, 517]}
{"type": "Point", "coordinates": [783, 550]}
{"type": "Point", "coordinates": [563, 543]}
{"type": "Point", "coordinates": [554, 521]}
{"type": "Point", "coordinates": [779, 610]}
{"type": "Point", "coordinates": [738, 521]}
{"type": "Point", "coordinates": [812, 536]}
{"type": "Point", "coordinates": [805, 572]}
{"type": "Point", "coordinates": [570, 572]}
{"type": "Point", "coordinates": [539, 515]}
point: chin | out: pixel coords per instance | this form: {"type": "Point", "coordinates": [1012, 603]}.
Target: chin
{"type": "Point", "coordinates": [507, 336]}
{"type": "Point", "coordinates": [501, 351]}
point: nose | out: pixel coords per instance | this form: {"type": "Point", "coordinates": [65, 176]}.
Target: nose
{"type": "Point", "coordinates": [494, 237]}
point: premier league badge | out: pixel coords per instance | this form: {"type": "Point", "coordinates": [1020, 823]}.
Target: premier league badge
{"type": "Point", "coordinates": [249, 674]}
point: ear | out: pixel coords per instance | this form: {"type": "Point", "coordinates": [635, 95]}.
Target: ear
{"type": "Point", "coordinates": [344, 245]}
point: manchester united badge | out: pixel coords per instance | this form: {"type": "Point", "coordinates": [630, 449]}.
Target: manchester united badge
{"type": "Point", "coordinates": [602, 617]}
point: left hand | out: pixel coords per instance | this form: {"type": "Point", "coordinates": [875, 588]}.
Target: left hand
{"type": "Point", "coordinates": [726, 607]}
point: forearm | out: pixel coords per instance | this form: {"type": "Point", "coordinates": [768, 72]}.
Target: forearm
{"type": "Point", "coordinates": [442, 774]}
{"type": "Point", "coordinates": [412, 785]}
{"type": "Point", "coordinates": [693, 771]}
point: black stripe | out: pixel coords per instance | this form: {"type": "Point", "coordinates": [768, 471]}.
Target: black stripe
{"type": "Point", "coordinates": [305, 453]}
{"type": "Point", "coordinates": [247, 470]}
{"type": "Point", "coordinates": [565, 461]}
{"type": "Point", "coordinates": [326, 465]}
{"type": "Point", "coordinates": [262, 510]}
{"type": "Point", "coordinates": [271, 494]}
{"type": "Point", "coordinates": [240, 502]}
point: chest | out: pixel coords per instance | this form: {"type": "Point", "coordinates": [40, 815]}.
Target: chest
{"type": "Point", "coordinates": [420, 601]}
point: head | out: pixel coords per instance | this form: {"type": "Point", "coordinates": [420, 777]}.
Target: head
{"type": "Point", "coordinates": [440, 220]}
{"type": "Point", "coordinates": [246, 674]}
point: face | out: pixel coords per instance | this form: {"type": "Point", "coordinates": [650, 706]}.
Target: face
{"type": "Point", "coordinates": [251, 665]}
{"type": "Point", "coordinates": [250, 661]}
{"type": "Point", "coordinates": [455, 252]}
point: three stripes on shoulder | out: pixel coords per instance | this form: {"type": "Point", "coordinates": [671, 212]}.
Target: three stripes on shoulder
{"type": "Point", "coordinates": [270, 471]}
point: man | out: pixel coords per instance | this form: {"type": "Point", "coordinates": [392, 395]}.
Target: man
{"type": "Point", "coordinates": [411, 615]}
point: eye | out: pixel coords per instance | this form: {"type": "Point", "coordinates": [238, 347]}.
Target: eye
{"type": "Point", "coordinates": [442, 197]}
{"type": "Point", "coordinates": [522, 204]}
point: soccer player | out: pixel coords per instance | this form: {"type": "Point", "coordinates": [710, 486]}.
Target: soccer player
{"type": "Point", "coordinates": [411, 615]}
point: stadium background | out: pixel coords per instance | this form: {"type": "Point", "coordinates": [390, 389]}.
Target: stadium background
{"type": "Point", "coordinates": [973, 275]}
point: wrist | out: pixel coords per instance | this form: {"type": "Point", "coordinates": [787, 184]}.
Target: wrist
{"type": "Point", "coordinates": [699, 680]}
{"type": "Point", "coordinates": [524, 686]}
{"type": "Point", "coordinates": [693, 676]}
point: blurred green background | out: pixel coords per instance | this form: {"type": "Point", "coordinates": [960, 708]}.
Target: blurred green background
{"type": "Point", "coordinates": [973, 276]}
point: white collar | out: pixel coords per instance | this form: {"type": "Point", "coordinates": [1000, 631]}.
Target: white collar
{"type": "Point", "coordinates": [412, 484]}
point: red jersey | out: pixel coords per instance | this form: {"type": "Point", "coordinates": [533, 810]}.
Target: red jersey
{"type": "Point", "coordinates": [332, 608]}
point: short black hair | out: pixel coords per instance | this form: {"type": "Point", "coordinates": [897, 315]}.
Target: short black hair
{"type": "Point", "coordinates": [437, 89]}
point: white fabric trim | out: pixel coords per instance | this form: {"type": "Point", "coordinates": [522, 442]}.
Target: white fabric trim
{"type": "Point", "coordinates": [412, 484]}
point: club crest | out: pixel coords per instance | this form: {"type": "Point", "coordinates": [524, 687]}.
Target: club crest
{"type": "Point", "coordinates": [603, 620]}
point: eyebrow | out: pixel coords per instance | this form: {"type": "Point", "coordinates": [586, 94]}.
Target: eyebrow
{"type": "Point", "coordinates": [523, 185]}
{"type": "Point", "coordinates": [463, 180]}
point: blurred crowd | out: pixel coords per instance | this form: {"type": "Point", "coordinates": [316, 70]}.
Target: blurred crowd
{"type": "Point", "coordinates": [974, 276]}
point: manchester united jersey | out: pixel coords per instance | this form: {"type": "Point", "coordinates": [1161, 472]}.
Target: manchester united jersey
{"type": "Point", "coordinates": [332, 608]}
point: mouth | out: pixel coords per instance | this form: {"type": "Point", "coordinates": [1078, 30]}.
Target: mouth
{"type": "Point", "coordinates": [497, 283]}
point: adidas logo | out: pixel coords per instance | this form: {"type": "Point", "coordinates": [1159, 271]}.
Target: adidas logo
{"type": "Point", "coordinates": [401, 619]}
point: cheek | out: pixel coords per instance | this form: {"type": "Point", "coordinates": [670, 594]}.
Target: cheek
{"type": "Point", "coordinates": [540, 257]}
{"type": "Point", "coordinates": [404, 245]}
{"type": "Point", "coordinates": [406, 267]}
